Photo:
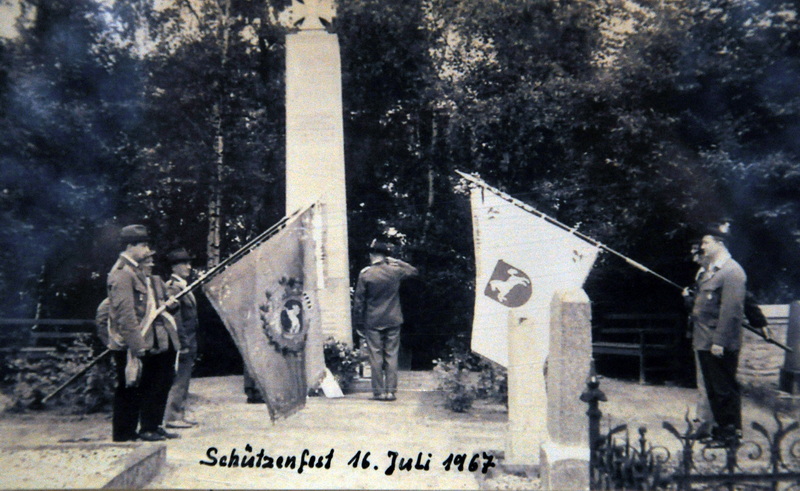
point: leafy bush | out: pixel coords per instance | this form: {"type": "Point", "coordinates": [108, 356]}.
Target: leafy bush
{"type": "Point", "coordinates": [30, 380]}
{"type": "Point", "coordinates": [343, 361]}
{"type": "Point", "coordinates": [492, 382]}
{"type": "Point", "coordinates": [455, 382]}
{"type": "Point", "coordinates": [464, 377]}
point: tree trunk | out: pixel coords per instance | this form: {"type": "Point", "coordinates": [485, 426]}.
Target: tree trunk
{"type": "Point", "coordinates": [215, 200]}
{"type": "Point", "coordinates": [431, 175]}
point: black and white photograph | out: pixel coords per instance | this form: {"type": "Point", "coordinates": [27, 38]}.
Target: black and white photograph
{"type": "Point", "coordinates": [400, 244]}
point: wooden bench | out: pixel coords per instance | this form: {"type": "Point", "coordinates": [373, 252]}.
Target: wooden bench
{"type": "Point", "coordinates": [39, 340]}
{"type": "Point", "coordinates": [647, 336]}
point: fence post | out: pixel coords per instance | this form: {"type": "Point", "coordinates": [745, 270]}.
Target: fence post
{"type": "Point", "coordinates": [790, 373]}
{"type": "Point", "coordinates": [593, 396]}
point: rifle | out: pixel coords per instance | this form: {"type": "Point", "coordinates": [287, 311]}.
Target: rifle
{"type": "Point", "coordinates": [39, 401]}
{"type": "Point", "coordinates": [763, 333]}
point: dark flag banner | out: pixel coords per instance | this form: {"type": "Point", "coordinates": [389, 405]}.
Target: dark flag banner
{"type": "Point", "coordinates": [268, 302]}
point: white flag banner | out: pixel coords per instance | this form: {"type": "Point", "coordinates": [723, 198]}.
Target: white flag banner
{"type": "Point", "coordinates": [521, 261]}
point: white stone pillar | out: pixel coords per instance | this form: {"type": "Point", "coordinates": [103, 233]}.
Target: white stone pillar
{"type": "Point", "coordinates": [315, 161]}
{"type": "Point", "coordinates": [565, 457]}
{"type": "Point", "coordinates": [527, 397]}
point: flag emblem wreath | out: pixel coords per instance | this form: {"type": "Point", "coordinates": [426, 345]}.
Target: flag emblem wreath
{"type": "Point", "coordinates": [284, 315]}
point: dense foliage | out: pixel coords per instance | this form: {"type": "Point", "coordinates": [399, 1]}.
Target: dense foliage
{"type": "Point", "coordinates": [640, 121]}
{"type": "Point", "coordinates": [464, 377]}
{"type": "Point", "coordinates": [30, 380]}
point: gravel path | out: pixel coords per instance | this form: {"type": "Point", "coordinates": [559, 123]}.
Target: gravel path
{"type": "Point", "coordinates": [63, 467]}
{"type": "Point", "coordinates": [416, 426]}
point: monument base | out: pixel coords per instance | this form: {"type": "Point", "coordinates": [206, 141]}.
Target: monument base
{"type": "Point", "coordinates": [564, 467]}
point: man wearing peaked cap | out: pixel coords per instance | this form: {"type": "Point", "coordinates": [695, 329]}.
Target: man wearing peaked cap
{"type": "Point", "coordinates": [181, 263]}
{"type": "Point", "coordinates": [717, 317]}
{"type": "Point", "coordinates": [132, 294]}
{"type": "Point", "coordinates": [135, 234]}
{"type": "Point", "coordinates": [127, 292]}
{"type": "Point", "coordinates": [376, 310]}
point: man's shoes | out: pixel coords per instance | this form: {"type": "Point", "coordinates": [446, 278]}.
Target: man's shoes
{"type": "Point", "coordinates": [731, 442]}
{"type": "Point", "coordinates": [703, 432]}
{"type": "Point", "coordinates": [166, 434]}
{"type": "Point", "coordinates": [728, 437]}
{"type": "Point", "coordinates": [132, 438]}
{"type": "Point", "coordinates": [389, 396]}
{"type": "Point", "coordinates": [178, 424]}
{"type": "Point", "coordinates": [190, 422]}
{"type": "Point", "coordinates": [151, 436]}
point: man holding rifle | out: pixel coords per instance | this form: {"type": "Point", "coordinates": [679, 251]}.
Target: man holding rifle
{"type": "Point", "coordinates": [717, 317]}
{"type": "Point", "coordinates": [144, 362]}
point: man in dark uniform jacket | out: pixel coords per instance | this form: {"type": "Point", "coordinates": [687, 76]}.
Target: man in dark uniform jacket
{"type": "Point", "coordinates": [133, 295]}
{"type": "Point", "coordinates": [703, 412]}
{"type": "Point", "coordinates": [717, 317]}
{"type": "Point", "coordinates": [186, 318]}
{"type": "Point", "coordinates": [377, 311]}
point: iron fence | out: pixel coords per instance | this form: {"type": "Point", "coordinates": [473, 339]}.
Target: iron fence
{"type": "Point", "coordinates": [769, 460]}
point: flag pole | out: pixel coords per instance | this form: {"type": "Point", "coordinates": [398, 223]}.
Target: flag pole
{"type": "Point", "coordinates": [569, 229]}
{"type": "Point", "coordinates": [243, 251]}
{"type": "Point", "coordinates": [761, 333]}
{"type": "Point", "coordinates": [219, 268]}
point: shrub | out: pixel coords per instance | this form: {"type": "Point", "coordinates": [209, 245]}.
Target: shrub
{"type": "Point", "coordinates": [493, 382]}
{"type": "Point", "coordinates": [464, 377]}
{"type": "Point", "coordinates": [29, 380]}
{"type": "Point", "coordinates": [454, 382]}
{"type": "Point", "coordinates": [343, 362]}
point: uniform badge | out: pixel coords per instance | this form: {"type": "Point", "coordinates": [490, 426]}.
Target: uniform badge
{"type": "Point", "coordinates": [508, 285]}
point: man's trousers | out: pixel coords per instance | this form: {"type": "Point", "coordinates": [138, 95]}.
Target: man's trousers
{"type": "Point", "coordinates": [383, 346]}
{"type": "Point", "coordinates": [176, 402]}
{"type": "Point", "coordinates": [703, 408]}
{"type": "Point", "coordinates": [143, 405]}
{"type": "Point", "coordinates": [724, 395]}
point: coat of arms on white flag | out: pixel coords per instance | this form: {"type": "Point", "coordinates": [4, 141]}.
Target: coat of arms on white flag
{"type": "Point", "coordinates": [268, 302]}
{"type": "Point", "coordinates": [521, 261]}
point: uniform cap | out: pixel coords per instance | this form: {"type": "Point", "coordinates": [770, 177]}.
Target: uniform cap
{"type": "Point", "coordinates": [721, 230]}
{"type": "Point", "coordinates": [380, 246]}
{"type": "Point", "coordinates": [179, 255]}
{"type": "Point", "coordinates": [133, 234]}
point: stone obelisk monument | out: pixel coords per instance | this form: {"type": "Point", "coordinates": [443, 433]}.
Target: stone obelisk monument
{"type": "Point", "coordinates": [315, 150]}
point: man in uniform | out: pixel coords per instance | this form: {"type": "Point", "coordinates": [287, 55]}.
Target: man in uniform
{"type": "Point", "coordinates": [717, 315]}
{"type": "Point", "coordinates": [703, 413]}
{"type": "Point", "coordinates": [181, 263]}
{"type": "Point", "coordinates": [377, 312]}
{"type": "Point", "coordinates": [133, 296]}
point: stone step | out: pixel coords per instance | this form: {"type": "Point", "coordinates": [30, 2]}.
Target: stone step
{"type": "Point", "coordinates": [407, 381]}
